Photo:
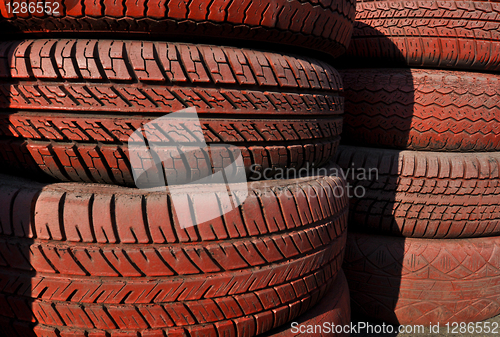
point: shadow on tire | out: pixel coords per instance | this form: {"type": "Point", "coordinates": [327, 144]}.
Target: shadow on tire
{"type": "Point", "coordinates": [17, 211]}
{"type": "Point", "coordinates": [373, 97]}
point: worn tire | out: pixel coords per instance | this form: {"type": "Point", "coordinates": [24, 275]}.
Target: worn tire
{"type": "Point", "coordinates": [417, 109]}
{"type": "Point", "coordinates": [324, 25]}
{"type": "Point", "coordinates": [422, 281]}
{"type": "Point", "coordinates": [442, 34]}
{"type": "Point", "coordinates": [250, 313]}
{"type": "Point", "coordinates": [73, 105]}
{"type": "Point", "coordinates": [97, 259]}
{"type": "Point", "coordinates": [334, 309]}
{"type": "Point", "coordinates": [423, 194]}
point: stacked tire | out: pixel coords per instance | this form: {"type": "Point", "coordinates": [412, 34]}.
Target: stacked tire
{"type": "Point", "coordinates": [422, 149]}
{"type": "Point", "coordinates": [143, 195]}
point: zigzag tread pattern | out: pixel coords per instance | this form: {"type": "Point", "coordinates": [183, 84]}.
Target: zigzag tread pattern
{"type": "Point", "coordinates": [153, 78]}
{"type": "Point", "coordinates": [442, 34]}
{"type": "Point", "coordinates": [111, 214]}
{"type": "Point", "coordinates": [131, 76]}
{"type": "Point", "coordinates": [411, 281]}
{"type": "Point", "coordinates": [324, 25]}
{"type": "Point", "coordinates": [159, 100]}
{"type": "Point", "coordinates": [249, 325]}
{"type": "Point", "coordinates": [142, 290]}
{"type": "Point", "coordinates": [94, 148]}
{"type": "Point", "coordinates": [432, 110]}
{"type": "Point", "coordinates": [118, 129]}
{"type": "Point", "coordinates": [424, 194]}
{"type": "Point", "coordinates": [163, 315]}
{"type": "Point", "coordinates": [111, 164]}
{"type": "Point", "coordinates": [163, 260]}
{"type": "Point", "coordinates": [334, 308]}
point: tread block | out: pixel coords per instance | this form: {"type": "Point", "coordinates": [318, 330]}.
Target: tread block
{"type": "Point", "coordinates": [445, 200]}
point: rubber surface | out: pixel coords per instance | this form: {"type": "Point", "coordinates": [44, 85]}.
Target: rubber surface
{"type": "Point", "coordinates": [253, 312]}
{"type": "Point", "coordinates": [423, 194]}
{"type": "Point", "coordinates": [77, 102]}
{"type": "Point", "coordinates": [417, 109]}
{"type": "Point", "coordinates": [160, 260]}
{"type": "Point", "coordinates": [324, 25]}
{"type": "Point", "coordinates": [104, 214]}
{"type": "Point", "coordinates": [441, 34]}
{"type": "Point", "coordinates": [421, 281]}
{"type": "Point", "coordinates": [90, 259]}
{"type": "Point", "coordinates": [334, 309]}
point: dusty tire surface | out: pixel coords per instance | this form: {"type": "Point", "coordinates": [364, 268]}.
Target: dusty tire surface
{"type": "Point", "coordinates": [423, 194]}
{"type": "Point", "coordinates": [436, 34]}
{"type": "Point", "coordinates": [334, 308]}
{"type": "Point", "coordinates": [97, 259]}
{"type": "Point", "coordinates": [251, 312]}
{"type": "Point", "coordinates": [104, 214]}
{"type": "Point", "coordinates": [422, 281]}
{"type": "Point", "coordinates": [324, 25]}
{"type": "Point", "coordinates": [73, 105]}
{"type": "Point", "coordinates": [422, 109]}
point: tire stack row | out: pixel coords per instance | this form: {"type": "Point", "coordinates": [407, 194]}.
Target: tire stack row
{"type": "Point", "coordinates": [422, 145]}
{"type": "Point", "coordinates": [84, 252]}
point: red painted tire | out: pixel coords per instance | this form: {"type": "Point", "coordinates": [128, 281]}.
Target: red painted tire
{"type": "Point", "coordinates": [423, 194]}
{"type": "Point", "coordinates": [441, 34]}
{"type": "Point", "coordinates": [95, 259]}
{"type": "Point", "coordinates": [334, 309]}
{"type": "Point", "coordinates": [421, 281]}
{"type": "Point", "coordinates": [324, 25]}
{"type": "Point", "coordinates": [85, 98]}
{"type": "Point", "coordinates": [417, 109]}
